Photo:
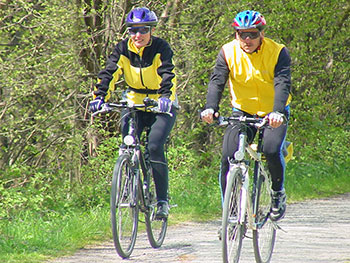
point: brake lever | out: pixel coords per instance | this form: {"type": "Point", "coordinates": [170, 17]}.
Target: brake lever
{"type": "Point", "coordinates": [221, 121]}
{"type": "Point", "coordinates": [262, 124]}
{"type": "Point", "coordinates": [105, 108]}
{"type": "Point", "coordinates": [156, 110]}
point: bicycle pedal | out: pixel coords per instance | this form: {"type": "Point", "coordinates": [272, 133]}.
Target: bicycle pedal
{"type": "Point", "coordinates": [160, 219]}
{"type": "Point", "coordinates": [277, 227]}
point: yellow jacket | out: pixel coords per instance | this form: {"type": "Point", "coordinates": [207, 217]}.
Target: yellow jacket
{"type": "Point", "coordinates": [252, 78]}
{"type": "Point", "coordinates": [149, 71]}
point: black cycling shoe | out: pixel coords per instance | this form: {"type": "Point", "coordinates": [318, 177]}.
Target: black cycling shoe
{"type": "Point", "coordinates": [162, 210]}
{"type": "Point", "coordinates": [278, 206]}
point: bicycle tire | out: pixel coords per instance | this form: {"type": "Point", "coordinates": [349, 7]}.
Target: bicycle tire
{"type": "Point", "coordinates": [232, 230]}
{"type": "Point", "coordinates": [156, 228]}
{"type": "Point", "coordinates": [124, 206]}
{"type": "Point", "coordinates": [264, 236]}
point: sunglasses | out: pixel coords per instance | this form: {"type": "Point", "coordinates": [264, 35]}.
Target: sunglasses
{"type": "Point", "coordinates": [139, 29]}
{"type": "Point", "coordinates": [251, 35]}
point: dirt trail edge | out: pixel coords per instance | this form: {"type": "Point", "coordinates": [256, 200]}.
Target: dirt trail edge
{"type": "Point", "coordinates": [313, 231]}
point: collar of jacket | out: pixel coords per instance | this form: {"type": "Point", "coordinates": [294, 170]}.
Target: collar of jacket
{"type": "Point", "coordinates": [139, 51]}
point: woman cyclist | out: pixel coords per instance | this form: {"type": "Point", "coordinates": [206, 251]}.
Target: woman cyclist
{"type": "Point", "coordinates": [146, 62]}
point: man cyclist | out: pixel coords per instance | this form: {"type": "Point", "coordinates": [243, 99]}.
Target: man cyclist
{"type": "Point", "coordinates": [146, 62]}
{"type": "Point", "coordinates": [258, 71]}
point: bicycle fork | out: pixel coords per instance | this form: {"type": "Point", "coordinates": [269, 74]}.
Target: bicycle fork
{"type": "Point", "coordinates": [244, 195]}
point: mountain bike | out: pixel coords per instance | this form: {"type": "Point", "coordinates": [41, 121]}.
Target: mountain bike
{"type": "Point", "coordinates": [133, 188]}
{"type": "Point", "coordinates": [247, 199]}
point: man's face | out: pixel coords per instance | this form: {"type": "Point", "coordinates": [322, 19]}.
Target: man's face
{"type": "Point", "coordinates": [140, 35]}
{"type": "Point", "coordinates": [249, 39]}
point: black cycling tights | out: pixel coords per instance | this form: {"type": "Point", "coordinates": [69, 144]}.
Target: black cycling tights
{"type": "Point", "coordinates": [273, 142]}
{"type": "Point", "coordinates": [160, 128]}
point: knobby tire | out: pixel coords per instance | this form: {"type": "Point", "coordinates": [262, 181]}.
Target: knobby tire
{"type": "Point", "coordinates": [124, 206]}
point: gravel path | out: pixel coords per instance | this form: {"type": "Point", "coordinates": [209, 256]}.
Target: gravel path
{"type": "Point", "coordinates": [316, 231]}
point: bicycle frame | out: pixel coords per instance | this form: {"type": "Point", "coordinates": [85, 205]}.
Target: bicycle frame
{"type": "Point", "coordinates": [131, 192]}
{"type": "Point", "coordinates": [240, 163]}
{"type": "Point", "coordinates": [256, 157]}
{"type": "Point", "coordinates": [147, 201]}
{"type": "Point", "coordinates": [133, 147]}
{"type": "Point", "coordinates": [247, 197]}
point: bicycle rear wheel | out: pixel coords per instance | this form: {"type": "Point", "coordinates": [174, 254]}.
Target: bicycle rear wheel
{"type": "Point", "coordinates": [124, 206]}
{"type": "Point", "coordinates": [264, 235]}
{"type": "Point", "coordinates": [232, 229]}
{"type": "Point", "coordinates": [156, 228]}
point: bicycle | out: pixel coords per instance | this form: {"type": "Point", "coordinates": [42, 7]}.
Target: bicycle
{"type": "Point", "coordinates": [133, 188]}
{"type": "Point", "coordinates": [247, 198]}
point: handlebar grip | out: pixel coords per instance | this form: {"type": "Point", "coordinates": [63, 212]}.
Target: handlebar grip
{"type": "Point", "coordinates": [105, 108]}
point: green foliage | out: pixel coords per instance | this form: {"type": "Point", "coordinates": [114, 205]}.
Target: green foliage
{"type": "Point", "coordinates": [189, 183]}
{"type": "Point", "coordinates": [93, 188]}
{"type": "Point", "coordinates": [41, 87]}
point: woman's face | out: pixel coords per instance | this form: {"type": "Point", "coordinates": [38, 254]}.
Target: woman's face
{"type": "Point", "coordinates": [140, 35]}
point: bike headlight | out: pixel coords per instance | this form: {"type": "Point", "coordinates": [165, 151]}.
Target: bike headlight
{"type": "Point", "coordinates": [129, 140]}
{"type": "Point", "coordinates": [239, 156]}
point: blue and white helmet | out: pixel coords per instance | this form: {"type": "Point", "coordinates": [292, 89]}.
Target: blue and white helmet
{"type": "Point", "coordinates": [249, 19]}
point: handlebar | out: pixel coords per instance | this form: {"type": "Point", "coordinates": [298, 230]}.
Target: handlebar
{"type": "Point", "coordinates": [252, 121]}
{"type": "Point", "coordinates": [148, 104]}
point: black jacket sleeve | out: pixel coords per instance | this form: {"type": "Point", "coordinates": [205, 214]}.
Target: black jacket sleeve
{"type": "Point", "coordinates": [166, 70]}
{"type": "Point", "coordinates": [217, 82]}
{"type": "Point", "coordinates": [282, 80]}
{"type": "Point", "coordinates": [106, 75]}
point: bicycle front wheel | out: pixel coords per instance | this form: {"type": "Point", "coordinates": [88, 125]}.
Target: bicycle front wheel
{"type": "Point", "coordinates": [124, 206]}
{"type": "Point", "coordinates": [156, 228]}
{"type": "Point", "coordinates": [264, 235]}
{"type": "Point", "coordinates": [232, 230]}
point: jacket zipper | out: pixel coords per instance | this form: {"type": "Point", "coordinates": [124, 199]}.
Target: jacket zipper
{"type": "Point", "coordinates": [140, 59]}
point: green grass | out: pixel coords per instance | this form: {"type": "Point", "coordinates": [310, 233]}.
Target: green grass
{"type": "Point", "coordinates": [30, 237]}
{"type": "Point", "coordinates": [314, 180]}
{"type": "Point", "coordinates": [33, 238]}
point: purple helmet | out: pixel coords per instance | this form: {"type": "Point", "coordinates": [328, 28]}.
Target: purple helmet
{"type": "Point", "coordinates": [249, 19]}
{"type": "Point", "coordinates": [141, 15]}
